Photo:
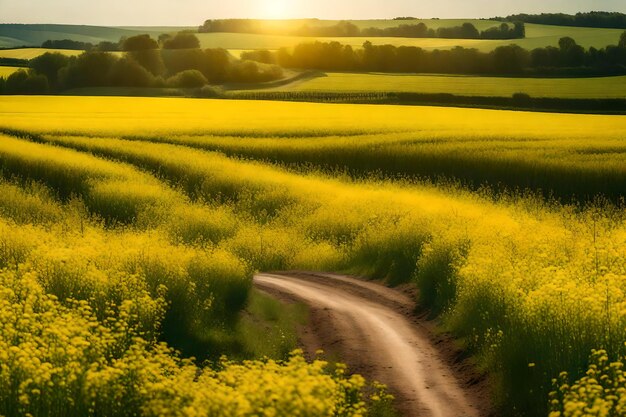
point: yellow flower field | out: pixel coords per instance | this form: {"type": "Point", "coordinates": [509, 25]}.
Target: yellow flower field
{"type": "Point", "coordinates": [118, 215]}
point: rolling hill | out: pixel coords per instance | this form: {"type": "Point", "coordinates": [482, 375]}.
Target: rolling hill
{"type": "Point", "coordinates": [16, 35]}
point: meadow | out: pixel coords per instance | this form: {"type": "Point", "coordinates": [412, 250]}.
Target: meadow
{"type": "Point", "coordinates": [126, 213]}
{"type": "Point", "coordinates": [597, 87]}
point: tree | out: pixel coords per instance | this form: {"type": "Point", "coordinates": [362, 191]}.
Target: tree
{"type": "Point", "coordinates": [510, 59]}
{"type": "Point", "coordinates": [90, 69]}
{"type": "Point", "coordinates": [128, 73]}
{"type": "Point", "coordinates": [139, 43]}
{"type": "Point", "coordinates": [254, 72]}
{"type": "Point", "coordinates": [106, 46]}
{"type": "Point", "coordinates": [49, 65]}
{"type": "Point", "coordinates": [545, 57]}
{"type": "Point", "coordinates": [150, 59]}
{"type": "Point", "coordinates": [572, 54]}
{"type": "Point", "coordinates": [182, 40]}
{"type": "Point", "coordinates": [36, 84]}
{"type": "Point", "coordinates": [15, 82]}
{"type": "Point", "coordinates": [145, 51]}
{"type": "Point", "coordinates": [260, 55]}
{"type": "Point", "coordinates": [164, 37]}
{"type": "Point", "coordinates": [67, 44]}
{"type": "Point", "coordinates": [520, 30]}
{"type": "Point", "coordinates": [177, 60]}
{"type": "Point", "coordinates": [622, 40]}
{"type": "Point", "coordinates": [566, 43]}
{"type": "Point", "coordinates": [187, 79]}
{"type": "Point", "coordinates": [216, 65]}
{"type": "Point", "coordinates": [21, 82]}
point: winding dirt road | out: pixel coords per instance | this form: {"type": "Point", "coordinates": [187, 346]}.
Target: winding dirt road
{"type": "Point", "coordinates": [370, 327]}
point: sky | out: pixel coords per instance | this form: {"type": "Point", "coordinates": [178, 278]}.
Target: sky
{"type": "Point", "coordinates": [194, 12]}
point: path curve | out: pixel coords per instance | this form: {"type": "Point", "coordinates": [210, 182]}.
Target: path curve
{"type": "Point", "coordinates": [370, 324]}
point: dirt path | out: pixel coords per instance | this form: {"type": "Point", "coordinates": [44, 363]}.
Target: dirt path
{"type": "Point", "coordinates": [372, 328]}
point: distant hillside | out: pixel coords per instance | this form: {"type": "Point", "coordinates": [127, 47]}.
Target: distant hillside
{"type": "Point", "coordinates": [15, 35]}
{"type": "Point", "coordinates": [607, 20]}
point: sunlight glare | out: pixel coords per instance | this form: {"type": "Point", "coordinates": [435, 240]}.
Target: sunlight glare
{"type": "Point", "coordinates": [275, 9]}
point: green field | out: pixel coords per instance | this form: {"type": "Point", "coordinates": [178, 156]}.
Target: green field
{"type": "Point", "coordinates": [14, 36]}
{"type": "Point", "coordinates": [143, 209]}
{"type": "Point", "coordinates": [537, 35]}
{"type": "Point", "coordinates": [598, 87]}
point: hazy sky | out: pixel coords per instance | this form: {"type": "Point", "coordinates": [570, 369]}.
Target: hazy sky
{"type": "Point", "coordinates": [193, 12]}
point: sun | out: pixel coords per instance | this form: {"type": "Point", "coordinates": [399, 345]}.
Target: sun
{"type": "Point", "coordinates": [275, 9]}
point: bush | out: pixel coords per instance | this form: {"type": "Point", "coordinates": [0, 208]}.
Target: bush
{"type": "Point", "coordinates": [67, 44]}
{"type": "Point", "coordinates": [187, 79]}
{"type": "Point", "coordinates": [209, 91]}
{"type": "Point", "coordinates": [128, 73]}
{"type": "Point", "coordinates": [139, 43]}
{"type": "Point", "coordinates": [49, 65]}
{"type": "Point", "coordinates": [182, 40]}
{"type": "Point", "coordinates": [521, 98]}
{"type": "Point", "coordinates": [21, 82]}
{"type": "Point", "coordinates": [150, 59]}
{"type": "Point", "coordinates": [254, 72]}
{"type": "Point", "coordinates": [36, 84]}
{"type": "Point", "coordinates": [91, 69]}
{"type": "Point", "coordinates": [261, 55]}
{"type": "Point", "coordinates": [15, 81]}
{"type": "Point", "coordinates": [218, 62]}
{"type": "Point", "coordinates": [106, 46]}
{"type": "Point", "coordinates": [178, 60]}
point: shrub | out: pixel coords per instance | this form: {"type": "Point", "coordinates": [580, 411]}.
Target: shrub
{"type": "Point", "coordinates": [91, 69]}
{"type": "Point", "coordinates": [209, 91]}
{"type": "Point", "coordinates": [129, 73]}
{"type": "Point", "coordinates": [21, 82]}
{"type": "Point", "coordinates": [261, 55]}
{"type": "Point", "coordinates": [139, 43]}
{"type": "Point", "coordinates": [254, 72]}
{"type": "Point", "coordinates": [177, 60]}
{"type": "Point", "coordinates": [187, 79]}
{"type": "Point", "coordinates": [182, 40]}
{"type": "Point", "coordinates": [49, 65]}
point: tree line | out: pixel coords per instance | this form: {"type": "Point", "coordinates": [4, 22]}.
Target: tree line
{"type": "Point", "coordinates": [104, 46]}
{"type": "Point", "coordinates": [182, 40]}
{"type": "Point", "coordinates": [568, 58]}
{"type": "Point", "coordinates": [349, 29]}
{"type": "Point", "coordinates": [145, 63]}
{"type": "Point", "coordinates": [612, 20]}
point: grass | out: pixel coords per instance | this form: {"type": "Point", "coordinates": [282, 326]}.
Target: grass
{"type": "Point", "coordinates": [600, 87]}
{"type": "Point", "coordinates": [529, 286]}
{"type": "Point", "coordinates": [270, 327]}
